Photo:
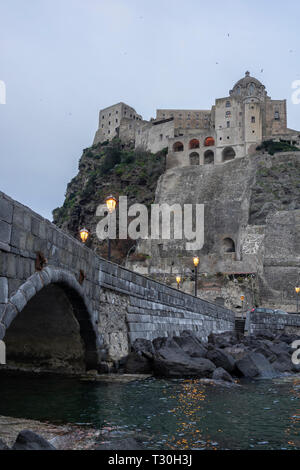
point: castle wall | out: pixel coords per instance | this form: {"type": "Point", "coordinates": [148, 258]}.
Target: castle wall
{"type": "Point", "coordinates": [187, 118]}
{"type": "Point", "coordinates": [154, 136]}
{"type": "Point", "coordinates": [275, 126]}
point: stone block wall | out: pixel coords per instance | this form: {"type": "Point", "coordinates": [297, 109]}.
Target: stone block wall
{"type": "Point", "coordinates": [121, 305]}
{"type": "Point", "coordinates": [275, 323]}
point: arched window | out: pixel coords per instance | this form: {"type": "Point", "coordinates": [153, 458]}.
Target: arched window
{"type": "Point", "coordinates": [251, 89]}
{"type": "Point", "coordinates": [178, 147]}
{"type": "Point", "coordinates": [209, 142]}
{"type": "Point", "coordinates": [276, 116]}
{"type": "Point", "coordinates": [228, 245]}
{"type": "Point", "coordinates": [209, 157]}
{"type": "Point", "coordinates": [194, 144]}
{"type": "Point", "coordinates": [194, 158]}
{"type": "Point", "coordinates": [228, 154]}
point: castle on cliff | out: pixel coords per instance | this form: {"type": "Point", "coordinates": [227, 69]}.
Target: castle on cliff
{"type": "Point", "coordinates": [232, 128]}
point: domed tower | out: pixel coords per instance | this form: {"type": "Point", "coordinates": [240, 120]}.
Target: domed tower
{"type": "Point", "coordinates": [249, 88]}
{"type": "Point", "coordinates": [240, 119]}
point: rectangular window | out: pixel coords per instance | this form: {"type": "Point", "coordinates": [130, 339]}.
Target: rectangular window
{"type": "Point", "coordinates": [276, 116]}
{"type": "Point", "coordinates": [253, 119]}
{"type": "Point", "coordinates": [228, 104]}
{"type": "Point", "coordinates": [228, 123]}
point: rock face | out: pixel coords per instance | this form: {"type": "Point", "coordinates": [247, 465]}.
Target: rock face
{"type": "Point", "coordinates": [221, 359]}
{"type": "Point", "coordinates": [28, 440]}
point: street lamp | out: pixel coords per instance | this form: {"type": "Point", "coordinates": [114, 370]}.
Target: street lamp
{"type": "Point", "coordinates": [196, 262]}
{"type": "Point", "coordinates": [84, 234]}
{"type": "Point", "coordinates": [242, 299]}
{"type": "Point", "coordinates": [178, 280]}
{"type": "Point", "coordinates": [297, 290]}
{"type": "Point", "coordinates": [111, 203]}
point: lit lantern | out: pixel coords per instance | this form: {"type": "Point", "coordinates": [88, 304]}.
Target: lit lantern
{"type": "Point", "coordinates": [178, 280]}
{"type": "Point", "coordinates": [297, 289]}
{"type": "Point", "coordinates": [84, 234]}
{"type": "Point", "coordinates": [111, 203]}
{"type": "Point", "coordinates": [196, 261]}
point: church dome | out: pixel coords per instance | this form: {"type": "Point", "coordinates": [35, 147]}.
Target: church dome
{"type": "Point", "coordinates": [248, 86]}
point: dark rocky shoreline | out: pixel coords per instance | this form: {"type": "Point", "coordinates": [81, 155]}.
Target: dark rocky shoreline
{"type": "Point", "coordinates": [225, 356]}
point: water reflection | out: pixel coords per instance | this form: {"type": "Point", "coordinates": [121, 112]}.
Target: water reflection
{"type": "Point", "coordinates": [174, 414]}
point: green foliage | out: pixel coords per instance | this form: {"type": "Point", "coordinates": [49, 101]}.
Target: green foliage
{"type": "Point", "coordinates": [273, 147]}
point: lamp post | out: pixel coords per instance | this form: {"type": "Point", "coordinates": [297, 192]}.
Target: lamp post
{"type": "Point", "coordinates": [111, 203]}
{"type": "Point", "coordinates": [196, 262]}
{"type": "Point", "coordinates": [84, 234]}
{"type": "Point", "coordinates": [297, 290]}
{"type": "Point", "coordinates": [178, 280]}
{"type": "Point", "coordinates": [242, 299]}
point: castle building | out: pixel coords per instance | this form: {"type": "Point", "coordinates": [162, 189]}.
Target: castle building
{"type": "Point", "coordinates": [232, 128]}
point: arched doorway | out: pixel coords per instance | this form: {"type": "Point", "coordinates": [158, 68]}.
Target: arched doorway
{"type": "Point", "coordinates": [194, 158]}
{"type": "Point", "coordinates": [209, 142]}
{"type": "Point", "coordinates": [209, 157]}
{"type": "Point", "coordinates": [53, 332]}
{"type": "Point", "coordinates": [194, 144]}
{"type": "Point", "coordinates": [228, 245]}
{"type": "Point", "coordinates": [178, 147]}
{"type": "Point", "coordinates": [228, 154]}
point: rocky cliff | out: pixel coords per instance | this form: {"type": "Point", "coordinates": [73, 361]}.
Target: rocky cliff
{"type": "Point", "coordinates": [105, 169]}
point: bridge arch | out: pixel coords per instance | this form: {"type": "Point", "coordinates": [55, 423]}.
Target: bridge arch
{"type": "Point", "coordinates": [49, 324]}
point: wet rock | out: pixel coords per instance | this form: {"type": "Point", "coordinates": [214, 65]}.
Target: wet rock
{"type": "Point", "coordinates": [255, 365]}
{"type": "Point", "coordinates": [3, 445]}
{"type": "Point", "coordinates": [265, 334]}
{"type": "Point", "coordinates": [223, 340]}
{"type": "Point", "coordinates": [178, 365]}
{"type": "Point", "coordinates": [28, 440]}
{"type": "Point", "coordinates": [143, 347]}
{"type": "Point", "coordinates": [121, 444]}
{"type": "Point", "coordinates": [137, 364]}
{"type": "Point", "coordinates": [221, 359]}
{"type": "Point", "coordinates": [190, 344]}
{"type": "Point", "coordinates": [221, 374]}
{"type": "Point", "coordinates": [237, 352]}
{"type": "Point", "coordinates": [283, 363]}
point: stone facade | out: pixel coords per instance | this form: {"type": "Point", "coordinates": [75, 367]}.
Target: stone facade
{"type": "Point", "coordinates": [111, 305]}
{"type": "Point", "coordinates": [232, 128]}
{"type": "Point", "coordinates": [274, 323]}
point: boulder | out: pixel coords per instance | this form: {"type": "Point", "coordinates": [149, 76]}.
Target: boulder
{"type": "Point", "coordinates": [143, 347]}
{"type": "Point", "coordinates": [265, 334]}
{"type": "Point", "coordinates": [237, 352]}
{"type": "Point", "coordinates": [283, 363]}
{"type": "Point", "coordinates": [221, 359]}
{"type": "Point", "coordinates": [182, 366]}
{"type": "Point", "coordinates": [28, 440]}
{"type": "Point", "coordinates": [255, 365]}
{"type": "Point", "coordinates": [221, 374]}
{"type": "Point", "coordinates": [223, 340]}
{"type": "Point", "coordinates": [3, 445]}
{"type": "Point", "coordinates": [137, 364]}
{"type": "Point", "coordinates": [190, 344]}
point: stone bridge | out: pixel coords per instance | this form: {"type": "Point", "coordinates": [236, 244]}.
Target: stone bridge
{"type": "Point", "coordinates": [63, 307]}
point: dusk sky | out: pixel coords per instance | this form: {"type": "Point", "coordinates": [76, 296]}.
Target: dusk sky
{"type": "Point", "coordinates": [64, 60]}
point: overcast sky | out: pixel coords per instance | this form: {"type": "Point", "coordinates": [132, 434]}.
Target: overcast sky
{"type": "Point", "coordinates": [64, 60]}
